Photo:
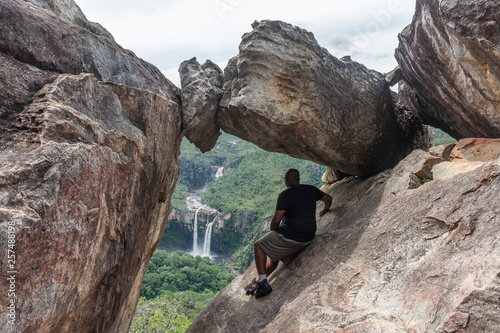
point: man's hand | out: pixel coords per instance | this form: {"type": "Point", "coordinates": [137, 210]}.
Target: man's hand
{"type": "Point", "coordinates": [275, 222]}
{"type": "Point", "coordinates": [327, 199]}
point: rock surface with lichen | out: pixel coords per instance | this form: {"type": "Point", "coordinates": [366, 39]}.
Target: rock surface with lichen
{"type": "Point", "coordinates": [89, 145]}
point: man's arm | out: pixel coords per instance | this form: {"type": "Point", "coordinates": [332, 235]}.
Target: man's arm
{"type": "Point", "coordinates": [327, 199]}
{"type": "Point", "coordinates": [278, 215]}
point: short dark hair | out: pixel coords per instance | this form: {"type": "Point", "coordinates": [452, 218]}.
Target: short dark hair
{"type": "Point", "coordinates": [292, 175]}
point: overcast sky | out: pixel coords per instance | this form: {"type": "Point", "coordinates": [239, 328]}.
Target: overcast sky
{"type": "Point", "coordinates": [167, 32]}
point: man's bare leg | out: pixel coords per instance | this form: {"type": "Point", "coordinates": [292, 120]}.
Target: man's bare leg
{"type": "Point", "coordinates": [260, 259]}
{"type": "Point", "coordinates": [271, 266]}
{"type": "Point", "coordinates": [262, 288]}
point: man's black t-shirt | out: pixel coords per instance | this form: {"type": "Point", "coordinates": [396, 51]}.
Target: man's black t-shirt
{"type": "Point", "coordinates": [299, 221]}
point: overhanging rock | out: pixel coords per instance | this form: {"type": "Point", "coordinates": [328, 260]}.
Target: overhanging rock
{"type": "Point", "coordinates": [201, 93]}
{"type": "Point", "coordinates": [287, 94]}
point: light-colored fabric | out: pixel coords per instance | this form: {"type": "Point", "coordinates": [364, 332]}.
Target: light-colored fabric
{"type": "Point", "coordinates": [278, 247]}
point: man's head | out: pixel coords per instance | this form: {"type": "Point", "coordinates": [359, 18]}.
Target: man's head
{"type": "Point", "coordinates": [292, 177]}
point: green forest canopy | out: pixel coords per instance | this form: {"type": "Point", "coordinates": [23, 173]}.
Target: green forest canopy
{"type": "Point", "coordinates": [178, 271]}
{"type": "Point", "coordinates": [176, 288]}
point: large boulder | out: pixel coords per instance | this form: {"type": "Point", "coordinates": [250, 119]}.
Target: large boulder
{"type": "Point", "coordinates": [87, 169]}
{"type": "Point", "coordinates": [450, 59]}
{"type": "Point", "coordinates": [389, 256]}
{"type": "Point", "coordinates": [287, 94]}
{"type": "Point", "coordinates": [201, 93]}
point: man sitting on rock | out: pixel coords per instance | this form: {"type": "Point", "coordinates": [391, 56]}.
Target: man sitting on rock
{"type": "Point", "coordinates": [293, 227]}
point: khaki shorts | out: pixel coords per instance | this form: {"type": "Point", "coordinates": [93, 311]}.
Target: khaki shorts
{"type": "Point", "coordinates": [278, 247]}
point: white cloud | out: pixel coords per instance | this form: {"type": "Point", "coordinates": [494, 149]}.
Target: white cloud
{"type": "Point", "coordinates": [166, 33]}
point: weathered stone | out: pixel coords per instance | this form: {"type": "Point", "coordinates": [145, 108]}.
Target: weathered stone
{"type": "Point", "coordinates": [449, 56]}
{"type": "Point", "coordinates": [87, 170]}
{"type": "Point", "coordinates": [408, 99]}
{"type": "Point", "coordinates": [68, 10]}
{"type": "Point", "coordinates": [451, 169]}
{"type": "Point", "coordinates": [423, 169]}
{"type": "Point", "coordinates": [331, 176]}
{"type": "Point", "coordinates": [201, 93]}
{"type": "Point", "coordinates": [433, 227]}
{"type": "Point", "coordinates": [181, 224]}
{"type": "Point", "coordinates": [467, 155]}
{"type": "Point", "coordinates": [88, 202]}
{"type": "Point", "coordinates": [373, 267]}
{"type": "Point", "coordinates": [477, 149]}
{"type": "Point", "coordinates": [456, 321]}
{"type": "Point", "coordinates": [442, 151]}
{"type": "Point", "coordinates": [214, 73]}
{"type": "Point", "coordinates": [402, 175]}
{"type": "Point", "coordinates": [394, 76]}
{"type": "Point", "coordinates": [287, 94]}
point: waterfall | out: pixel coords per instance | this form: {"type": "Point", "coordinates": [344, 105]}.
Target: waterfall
{"type": "Point", "coordinates": [208, 238]}
{"type": "Point", "coordinates": [194, 203]}
{"type": "Point", "coordinates": [220, 172]}
{"type": "Point", "coordinates": [195, 232]}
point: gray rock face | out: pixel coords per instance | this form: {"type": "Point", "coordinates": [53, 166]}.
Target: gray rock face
{"type": "Point", "coordinates": [287, 94]}
{"type": "Point", "coordinates": [54, 44]}
{"type": "Point", "coordinates": [68, 10]}
{"type": "Point", "coordinates": [449, 56]}
{"type": "Point", "coordinates": [201, 93]}
{"type": "Point", "coordinates": [87, 169]}
{"type": "Point", "coordinates": [388, 257]}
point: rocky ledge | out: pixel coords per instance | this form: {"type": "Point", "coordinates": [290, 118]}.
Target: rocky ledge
{"type": "Point", "coordinates": [89, 145]}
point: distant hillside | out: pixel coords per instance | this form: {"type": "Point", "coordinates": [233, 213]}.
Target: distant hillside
{"type": "Point", "coordinates": [442, 137]}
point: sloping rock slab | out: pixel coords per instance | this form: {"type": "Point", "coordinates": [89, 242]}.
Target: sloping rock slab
{"type": "Point", "coordinates": [477, 149]}
{"type": "Point", "coordinates": [387, 258]}
{"type": "Point", "coordinates": [287, 94]}
{"type": "Point", "coordinates": [450, 56]}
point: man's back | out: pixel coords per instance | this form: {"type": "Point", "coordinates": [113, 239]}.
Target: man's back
{"type": "Point", "coordinates": [299, 221]}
